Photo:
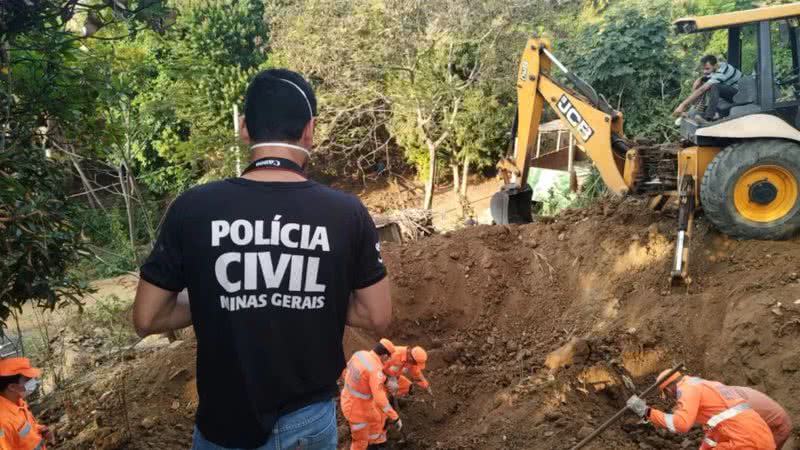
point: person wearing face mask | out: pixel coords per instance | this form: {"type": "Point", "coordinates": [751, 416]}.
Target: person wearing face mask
{"type": "Point", "coordinates": [18, 428]}
{"type": "Point", "coordinates": [274, 266]}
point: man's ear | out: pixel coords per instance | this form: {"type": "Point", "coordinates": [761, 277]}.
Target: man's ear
{"type": "Point", "coordinates": [307, 139]}
{"type": "Point", "coordinates": [244, 135]}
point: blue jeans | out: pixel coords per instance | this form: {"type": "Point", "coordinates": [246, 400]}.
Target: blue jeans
{"type": "Point", "coordinates": [309, 428]}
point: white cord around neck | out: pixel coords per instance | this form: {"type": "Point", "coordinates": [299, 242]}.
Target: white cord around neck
{"type": "Point", "coordinates": [305, 97]}
{"type": "Point", "coordinates": [283, 145]}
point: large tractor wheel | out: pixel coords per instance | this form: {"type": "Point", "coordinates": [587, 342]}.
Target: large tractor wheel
{"type": "Point", "coordinates": [751, 189]}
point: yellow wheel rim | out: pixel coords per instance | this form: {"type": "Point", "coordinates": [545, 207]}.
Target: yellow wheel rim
{"type": "Point", "coordinates": [765, 193]}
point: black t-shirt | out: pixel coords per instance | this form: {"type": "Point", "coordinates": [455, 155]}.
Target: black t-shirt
{"type": "Point", "coordinates": [269, 267]}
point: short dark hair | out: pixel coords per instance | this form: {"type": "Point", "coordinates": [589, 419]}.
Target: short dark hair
{"type": "Point", "coordinates": [274, 109]}
{"type": "Point", "coordinates": [708, 59]}
{"type": "Point", "coordinates": [5, 381]}
{"type": "Point", "coordinates": [380, 350]}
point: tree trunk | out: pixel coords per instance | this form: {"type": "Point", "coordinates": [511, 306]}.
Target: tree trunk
{"type": "Point", "coordinates": [431, 176]}
{"type": "Point", "coordinates": [5, 60]}
{"type": "Point", "coordinates": [19, 332]}
{"type": "Point", "coordinates": [456, 178]}
{"type": "Point", "coordinates": [148, 223]}
{"type": "Point", "coordinates": [465, 176]}
{"type": "Point", "coordinates": [93, 198]}
{"type": "Point", "coordinates": [123, 181]}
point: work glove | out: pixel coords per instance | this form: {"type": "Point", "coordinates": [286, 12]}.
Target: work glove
{"type": "Point", "coordinates": [392, 385]}
{"type": "Point", "coordinates": [637, 405]}
{"type": "Point", "coordinates": [398, 424]}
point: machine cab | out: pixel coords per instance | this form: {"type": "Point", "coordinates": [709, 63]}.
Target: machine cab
{"type": "Point", "coordinates": [763, 44]}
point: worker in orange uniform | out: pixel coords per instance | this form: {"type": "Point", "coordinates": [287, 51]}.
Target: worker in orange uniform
{"type": "Point", "coordinates": [727, 419]}
{"type": "Point", "coordinates": [364, 401]}
{"type": "Point", "coordinates": [773, 414]}
{"type": "Point", "coordinates": [18, 428]}
{"type": "Point", "coordinates": [405, 362]}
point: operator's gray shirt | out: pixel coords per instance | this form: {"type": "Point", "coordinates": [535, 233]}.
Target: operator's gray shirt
{"type": "Point", "coordinates": [725, 74]}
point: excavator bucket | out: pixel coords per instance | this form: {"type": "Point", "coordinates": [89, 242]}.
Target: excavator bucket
{"type": "Point", "coordinates": [512, 205]}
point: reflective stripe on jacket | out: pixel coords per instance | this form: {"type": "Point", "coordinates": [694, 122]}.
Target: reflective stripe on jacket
{"type": "Point", "coordinates": [399, 364]}
{"type": "Point", "coordinates": [364, 381]}
{"type": "Point", "coordinates": [18, 428]}
{"type": "Point", "coordinates": [726, 416]}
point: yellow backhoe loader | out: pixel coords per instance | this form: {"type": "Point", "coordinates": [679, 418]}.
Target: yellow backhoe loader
{"type": "Point", "coordinates": [742, 170]}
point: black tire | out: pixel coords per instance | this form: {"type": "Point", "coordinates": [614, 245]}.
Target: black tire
{"type": "Point", "coordinates": [717, 188]}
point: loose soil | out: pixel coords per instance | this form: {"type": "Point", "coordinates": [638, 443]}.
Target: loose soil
{"type": "Point", "coordinates": [491, 303]}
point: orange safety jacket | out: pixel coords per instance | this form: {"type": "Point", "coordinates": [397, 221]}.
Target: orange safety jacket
{"type": "Point", "coordinates": [400, 363]}
{"type": "Point", "coordinates": [728, 421]}
{"type": "Point", "coordinates": [364, 380]}
{"type": "Point", "coordinates": [18, 428]}
{"type": "Point", "coordinates": [774, 415]}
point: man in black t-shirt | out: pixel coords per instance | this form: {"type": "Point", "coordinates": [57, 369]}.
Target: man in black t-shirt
{"type": "Point", "coordinates": [275, 265]}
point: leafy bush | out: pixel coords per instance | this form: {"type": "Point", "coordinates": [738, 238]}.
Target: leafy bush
{"type": "Point", "coordinates": [110, 244]}
{"type": "Point", "coordinates": [39, 233]}
{"type": "Point", "coordinates": [629, 55]}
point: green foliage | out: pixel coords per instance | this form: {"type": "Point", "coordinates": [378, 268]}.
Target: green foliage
{"type": "Point", "coordinates": [170, 112]}
{"type": "Point", "coordinates": [346, 57]}
{"type": "Point", "coordinates": [38, 233]}
{"type": "Point", "coordinates": [481, 132]}
{"type": "Point", "coordinates": [707, 7]}
{"type": "Point", "coordinates": [392, 78]}
{"type": "Point", "coordinates": [558, 199]}
{"type": "Point", "coordinates": [218, 47]}
{"type": "Point", "coordinates": [628, 54]}
{"type": "Point", "coordinates": [593, 188]}
{"type": "Point", "coordinates": [49, 92]}
{"type": "Point", "coordinates": [110, 241]}
{"type": "Point", "coordinates": [391, 73]}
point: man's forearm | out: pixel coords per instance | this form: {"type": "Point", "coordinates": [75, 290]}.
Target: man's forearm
{"type": "Point", "coordinates": [371, 307]}
{"type": "Point", "coordinates": [694, 96]}
{"type": "Point", "coordinates": [173, 315]}
{"type": "Point", "coordinates": [181, 314]}
{"type": "Point", "coordinates": [358, 315]}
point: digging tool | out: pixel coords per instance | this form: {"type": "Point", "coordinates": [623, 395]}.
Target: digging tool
{"type": "Point", "coordinates": [433, 399]}
{"type": "Point", "coordinates": [622, 411]}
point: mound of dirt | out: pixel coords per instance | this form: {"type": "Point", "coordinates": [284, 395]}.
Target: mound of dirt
{"type": "Point", "coordinates": [491, 304]}
{"type": "Point", "coordinates": [144, 398]}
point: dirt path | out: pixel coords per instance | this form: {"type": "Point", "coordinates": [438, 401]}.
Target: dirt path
{"type": "Point", "coordinates": [447, 208]}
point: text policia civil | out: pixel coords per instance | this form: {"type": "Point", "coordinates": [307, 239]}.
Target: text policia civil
{"type": "Point", "coordinates": [241, 272]}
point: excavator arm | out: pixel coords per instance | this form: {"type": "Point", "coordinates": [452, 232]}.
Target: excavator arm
{"type": "Point", "coordinates": [597, 127]}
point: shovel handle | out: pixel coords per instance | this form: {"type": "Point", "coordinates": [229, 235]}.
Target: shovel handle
{"type": "Point", "coordinates": [622, 411]}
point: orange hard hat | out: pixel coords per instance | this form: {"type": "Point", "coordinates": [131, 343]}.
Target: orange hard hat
{"type": "Point", "coordinates": [388, 345]}
{"type": "Point", "coordinates": [18, 366]}
{"type": "Point", "coordinates": [419, 354]}
{"type": "Point", "coordinates": [664, 382]}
